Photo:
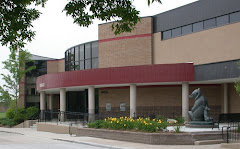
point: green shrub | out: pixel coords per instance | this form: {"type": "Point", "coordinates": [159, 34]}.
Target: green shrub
{"type": "Point", "coordinates": [8, 122]}
{"type": "Point", "coordinates": [10, 113]}
{"type": "Point", "coordinates": [16, 115]}
{"type": "Point", "coordinates": [31, 113]}
{"type": "Point", "coordinates": [238, 129]}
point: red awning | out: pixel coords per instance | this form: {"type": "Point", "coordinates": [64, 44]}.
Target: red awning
{"type": "Point", "coordinates": [182, 72]}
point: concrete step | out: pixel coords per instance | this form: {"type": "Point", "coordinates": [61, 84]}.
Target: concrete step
{"type": "Point", "coordinates": [208, 142]}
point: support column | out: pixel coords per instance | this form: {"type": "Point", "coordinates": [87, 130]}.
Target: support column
{"type": "Point", "coordinates": [91, 104]}
{"type": "Point", "coordinates": [51, 102]}
{"type": "Point", "coordinates": [133, 96]}
{"type": "Point", "coordinates": [42, 104]}
{"type": "Point", "coordinates": [62, 103]}
{"type": "Point", "coordinates": [185, 100]}
{"type": "Point", "coordinates": [225, 98]}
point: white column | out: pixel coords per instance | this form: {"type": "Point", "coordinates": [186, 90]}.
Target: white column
{"type": "Point", "coordinates": [42, 101]}
{"type": "Point", "coordinates": [185, 100]}
{"type": "Point", "coordinates": [91, 103]}
{"type": "Point", "coordinates": [133, 96]}
{"type": "Point", "coordinates": [225, 98]}
{"type": "Point", "coordinates": [62, 102]}
{"type": "Point", "coordinates": [42, 104]}
{"type": "Point", "coordinates": [51, 102]}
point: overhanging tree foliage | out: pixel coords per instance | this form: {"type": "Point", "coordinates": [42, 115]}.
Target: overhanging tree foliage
{"type": "Point", "coordinates": [16, 17]}
{"type": "Point", "coordinates": [15, 65]}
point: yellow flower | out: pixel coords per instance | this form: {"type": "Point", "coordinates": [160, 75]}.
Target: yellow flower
{"type": "Point", "coordinates": [111, 122]}
{"type": "Point", "coordinates": [105, 119]}
{"type": "Point", "coordinates": [117, 121]}
{"type": "Point", "coordinates": [124, 124]}
{"type": "Point", "coordinates": [175, 122]}
{"type": "Point", "coordinates": [153, 119]}
{"type": "Point", "coordinates": [150, 123]}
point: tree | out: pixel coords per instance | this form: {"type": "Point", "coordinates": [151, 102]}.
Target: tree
{"type": "Point", "coordinates": [16, 67]}
{"type": "Point", "coordinates": [237, 84]}
{"type": "Point", "coordinates": [16, 17]}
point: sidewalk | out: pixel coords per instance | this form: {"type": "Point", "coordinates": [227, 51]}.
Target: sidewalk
{"type": "Point", "coordinates": [105, 143]}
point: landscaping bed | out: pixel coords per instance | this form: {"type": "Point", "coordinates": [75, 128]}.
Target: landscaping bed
{"type": "Point", "coordinates": [159, 138]}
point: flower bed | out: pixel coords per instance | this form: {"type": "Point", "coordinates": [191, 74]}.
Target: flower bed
{"type": "Point", "coordinates": [128, 123]}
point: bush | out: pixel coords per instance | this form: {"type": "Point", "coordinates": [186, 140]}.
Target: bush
{"type": "Point", "coordinates": [8, 122]}
{"type": "Point", "coordinates": [32, 113]}
{"type": "Point", "coordinates": [10, 113]}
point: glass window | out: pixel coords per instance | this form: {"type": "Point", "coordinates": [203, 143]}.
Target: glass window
{"type": "Point", "coordinates": [235, 17]}
{"type": "Point", "coordinates": [72, 66]}
{"type": "Point", "coordinates": [167, 34]}
{"type": "Point", "coordinates": [209, 23]}
{"type": "Point", "coordinates": [95, 63]}
{"type": "Point", "coordinates": [76, 65]}
{"type": "Point", "coordinates": [95, 49]}
{"type": "Point", "coordinates": [81, 65]}
{"type": "Point", "coordinates": [187, 29]}
{"type": "Point", "coordinates": [222, 20]}
{"type": "Point", "coordinates": [33, 91]}
{"type": "Point", "coordinates": [176, 32]}
{"type": "Point", "coordinates": [82, 52]}
{"type": "Point", "coordinates": [88, 64]}
{"type": "Point", "coordinates": [197, 26]}
{"type": "Point", "coordinates": [77, 53]}
{"type": "Point", "coordinates": [87, 51]}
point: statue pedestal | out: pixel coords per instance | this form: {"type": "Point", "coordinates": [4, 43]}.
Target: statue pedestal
{"type": "Point", "coordinates": [201, 124]}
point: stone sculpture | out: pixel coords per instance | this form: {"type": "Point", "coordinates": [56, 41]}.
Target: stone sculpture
{"type": "Point", "coordinates": [199, 111]}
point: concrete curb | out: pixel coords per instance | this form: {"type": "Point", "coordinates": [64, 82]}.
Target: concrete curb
{"type": "Point", "coordinates": [12, 132]}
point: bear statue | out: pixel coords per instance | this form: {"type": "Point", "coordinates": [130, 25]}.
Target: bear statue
{"type": "Point", "coordinates": [199, 111]}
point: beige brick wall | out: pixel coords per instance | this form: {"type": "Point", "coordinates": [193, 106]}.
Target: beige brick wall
{"type": "Point", "coordinates": [168, 98]}
{"type": "Point", "coordinates": [128, 51]}
{"type": "Point", "coordinates": [233, 99]}
{"type": "Point", "coordinates": [143, 27]}
{"type": "Point", "coordinates": [208, 46]}
{"type": "Point", "coordinates": [54, 66]}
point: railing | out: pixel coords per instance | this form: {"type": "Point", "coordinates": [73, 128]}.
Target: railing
{"type": "Point", "coordinates": [232, 132]}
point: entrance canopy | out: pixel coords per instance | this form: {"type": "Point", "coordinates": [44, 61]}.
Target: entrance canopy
{"type": "Point", "coordinates": [182, 72]}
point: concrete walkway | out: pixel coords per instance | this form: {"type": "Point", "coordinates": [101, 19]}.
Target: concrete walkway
{"type": "Point", "coordinates": [104, 143]}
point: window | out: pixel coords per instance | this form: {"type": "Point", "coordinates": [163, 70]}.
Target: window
{"type": "Point", "coordinates": [187, 29]}
{"type": "Point", "coordinates": [95, 63]}
{"type": "Point", "coordinates": [81, 65]}
{"type": "Point", "coordinates": [167, 34]}
{"type": "Point", "coordinates": [235, 17]}
{"type": "Point", "coordinates": [222, 20]}
{"type": "Point", "coordinates": [33, 91]}
{"type": "Point", "coordinates": [209, 23]}
{"type": "Point", "coordinates": [95, 49]}
{"type": "Point", "coordinates": [82, 57]}
{"type": "Point", "coordinates": [76, 65]}
{"type": "Point", "coordinates": [87, 51]}
{"type": "Point", "coordinates": [197, 26]}
{"type": "Point", "coordinates": [176, 32]}
{"type": "Point", "coordinates": [82, 52]}
{"type": "Point", "coordinates": [88, 64]}
{"type": "Point", "coordinates": [77, 53]}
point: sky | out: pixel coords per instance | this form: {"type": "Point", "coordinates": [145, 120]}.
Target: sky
{"type": "Point", "coordinates": [55, 32]}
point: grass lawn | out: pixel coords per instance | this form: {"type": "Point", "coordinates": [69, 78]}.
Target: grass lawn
{"type": "Point", "coordinates": [2, 115]}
